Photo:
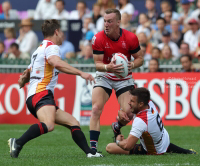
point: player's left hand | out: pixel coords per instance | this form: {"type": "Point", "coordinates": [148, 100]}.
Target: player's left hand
{"type": "Point", "coordinates": [120, 137]}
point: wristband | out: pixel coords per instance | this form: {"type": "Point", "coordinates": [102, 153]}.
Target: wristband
{"type": "Point", "coordinates": [132, 64]}
{"type": "Point", "coordinates": [117, 142]}
{"type": "Point", "coordinates": [105, 67]}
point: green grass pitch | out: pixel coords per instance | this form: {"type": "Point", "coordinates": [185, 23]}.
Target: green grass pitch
{"type": "Point", "coordinates": [58, 149]}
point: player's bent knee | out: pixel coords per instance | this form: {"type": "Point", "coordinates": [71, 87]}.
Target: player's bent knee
{"type": "Point", "coordinates": [75, 123]}
{"type": "Point", "coordinates": [50, 126]}
{"type": "Point", "coordinates": [109, 148]}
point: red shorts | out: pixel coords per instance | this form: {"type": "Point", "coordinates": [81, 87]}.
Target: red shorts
{"type": "Point", "coordinates": [38, 100]}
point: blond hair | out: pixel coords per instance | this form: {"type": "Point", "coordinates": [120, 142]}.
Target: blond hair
{"type": "Point", "coordinates": [117, 12]}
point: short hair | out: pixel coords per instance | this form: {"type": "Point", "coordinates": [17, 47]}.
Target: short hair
{"type": "Point", "coordinates": [151, 0]}
{"type": "Point", "coordinates": [63, 2]}
{"type": "Point", "coordinates": [155, 59]}
{"type": "Point", "coordinates": [185, 43]}
{"type": "Point", "coordinates": [12, 31]}
{"type": "Point", "coordinates": [143, 94]}
{"type": "Point", "coordinates": [147, 17]}
{"type": "Point", "coordinates": [82, 1]}
{"type": "Point", "coordinates": [166, 1]}
{"type": "Point", "coordinates": [49, 27]}
{"type": "Point", "coordinates": [156, 48]}
{"type": "Point", "coordinates": [161, 18]}
{"type": "Point", "coordinates": [116, 11]}
{"type": "Point", "coordinates": [188, 56]}
{"type": "Point", "coordinates": [14, 45]}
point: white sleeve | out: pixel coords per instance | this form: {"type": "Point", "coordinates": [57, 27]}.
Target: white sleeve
{"type": "Point", "coordinates": [138, 127]}
{"type": "Point", "coordinates": [37, 10]}
{"type": "Point", "coordinates": [130, 9]}
{"type": "Point", "coordinates": [52, 50]}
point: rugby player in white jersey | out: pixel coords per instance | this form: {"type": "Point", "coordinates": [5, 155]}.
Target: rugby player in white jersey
{"type": "Point", "coordinates": [42, 74]}
{"type": "Point", "coordinates": [147, 126]}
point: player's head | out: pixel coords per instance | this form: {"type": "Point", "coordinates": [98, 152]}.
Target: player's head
{"type": "Point", "coordinates": [51, 29]}
{"type": "Point", "coordinates": [112, 19]}
{"type": "Point", "coordinates": [139, 99]}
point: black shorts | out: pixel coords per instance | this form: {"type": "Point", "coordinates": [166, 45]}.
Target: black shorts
{"type": "Point", "coordinates": [138, 150]}
{"type": "Point", "coordinates": [38, 100]}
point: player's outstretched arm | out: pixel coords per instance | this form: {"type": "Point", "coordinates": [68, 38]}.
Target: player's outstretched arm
{"type": "Point", "coordinates": [126, 144]}
{"type": "Point", "coordinates": [139, 59]}
{"type": "Point", "coordinates": [24, 78]}
{"type": "Point", "coordinates": [66, 68]}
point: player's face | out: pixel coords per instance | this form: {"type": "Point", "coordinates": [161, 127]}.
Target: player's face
{"type": "Point", "coordinates": [111, 24]}
{"type": "Point", "coordinates": [133, 103]}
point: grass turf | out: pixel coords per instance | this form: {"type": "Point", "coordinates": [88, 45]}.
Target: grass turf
{"type": "Point", "coordinates": [57, 149]}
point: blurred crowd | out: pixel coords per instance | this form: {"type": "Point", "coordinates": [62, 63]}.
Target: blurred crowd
{"type": "Point", "coordinates": [163, 34]}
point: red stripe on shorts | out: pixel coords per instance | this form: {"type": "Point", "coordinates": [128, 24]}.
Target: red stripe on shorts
{"type": "Point", "coordinates": [38, 96]}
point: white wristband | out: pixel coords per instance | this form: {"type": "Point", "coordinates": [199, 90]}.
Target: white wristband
{"type": "Point", "coordinates": [105, 67]}
{"type": "Point", "coordinates": [117, 142]}
{"type": "Point", "coordinates": [132, 65]}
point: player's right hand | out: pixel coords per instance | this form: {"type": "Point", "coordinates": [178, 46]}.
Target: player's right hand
{"type": "Point", "coordinates": [87, 77]}
{"type": "Point", "coordinates": [120, 137]}
{"type": "Point", "coordinates": [117, 69]}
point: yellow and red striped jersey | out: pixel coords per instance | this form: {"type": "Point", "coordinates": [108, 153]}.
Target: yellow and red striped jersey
{"type": "Point", "coordinates": [43, 76]}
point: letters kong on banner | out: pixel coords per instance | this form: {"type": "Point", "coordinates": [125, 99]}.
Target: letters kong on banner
{"type": "Point", "coordinates": [176, 95]}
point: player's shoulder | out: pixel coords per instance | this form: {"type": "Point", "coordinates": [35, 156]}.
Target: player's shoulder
{"type": "Point", "coordinates": [98, 38]}
{"type": "Point", "coordinates": [142, 115]}
{"type": "Point", "coordinates": [100, 35]}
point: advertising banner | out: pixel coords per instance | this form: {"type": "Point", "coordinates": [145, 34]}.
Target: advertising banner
{"type": "Point", "coordinates": [176, 95]}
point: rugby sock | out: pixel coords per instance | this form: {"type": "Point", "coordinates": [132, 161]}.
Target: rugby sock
{"type": "Point", "coordinates": [94, 136]}
{"type": "Point", "coordinates": [80, 140]}
{"type": "Point", "coordinates": [175, 149]}
{"type": "Point", "coordinates": [34, 131]}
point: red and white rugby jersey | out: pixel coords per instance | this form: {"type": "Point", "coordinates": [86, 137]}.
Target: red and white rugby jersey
{"type": "Point", "coordinates": [127, 44]}
{"type": "Point", "coordinates": [43, 76]}
{"type": "Point", "coordinates": [148, 127]}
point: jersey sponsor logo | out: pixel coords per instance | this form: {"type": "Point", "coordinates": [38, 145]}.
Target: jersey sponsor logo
{"type": "Point", "coordinates": [123, 44]}
{"type": "Point", "coordinates": [93, 40]}
{"type": "Point", "coordinates": [107, 45]}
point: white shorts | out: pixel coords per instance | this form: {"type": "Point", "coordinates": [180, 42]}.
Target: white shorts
{"type": "Point", "coordinates": [119, 86]}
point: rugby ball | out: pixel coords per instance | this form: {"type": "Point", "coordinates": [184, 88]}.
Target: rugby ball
{"type": "Point", "coordinates": [121, 59]}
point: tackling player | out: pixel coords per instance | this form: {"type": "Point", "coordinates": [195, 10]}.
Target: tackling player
{"type": "Point", "coordinates": [43, 75]}
{"type": "Point", "coordinates": [147, 126]}
{"type": "Point", "coordinates": [106, 43]}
